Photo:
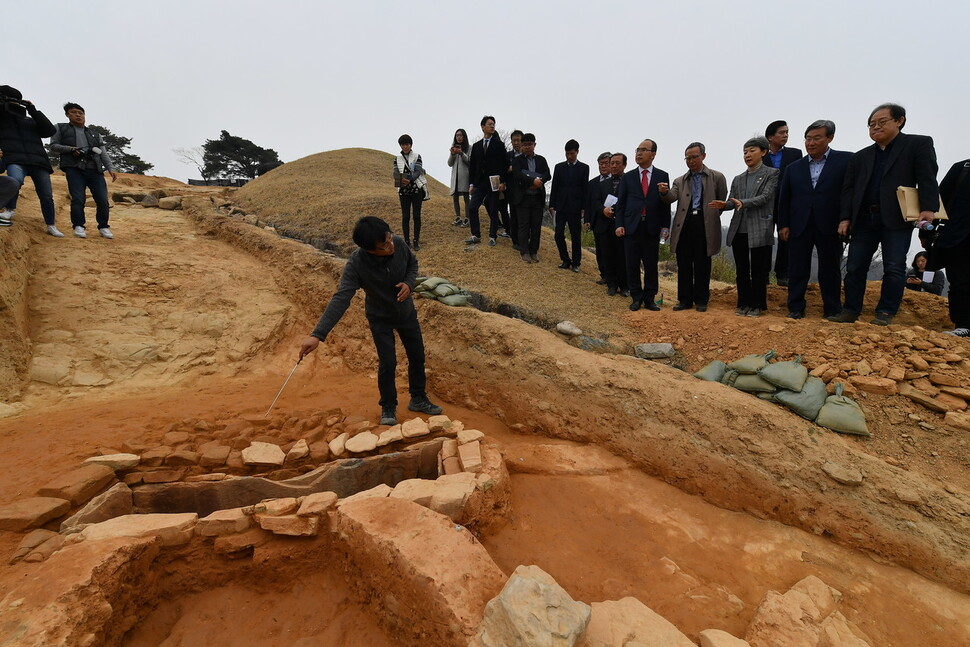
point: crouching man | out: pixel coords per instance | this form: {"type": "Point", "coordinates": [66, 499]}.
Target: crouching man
{"type": "Point", "coordinates": [386, 269]}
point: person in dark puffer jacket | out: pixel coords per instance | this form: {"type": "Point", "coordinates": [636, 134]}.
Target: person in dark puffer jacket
{"type": "Point", "coordinates": [22, 126]}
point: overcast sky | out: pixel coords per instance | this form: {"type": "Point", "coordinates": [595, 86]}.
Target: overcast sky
{"type": "Point", "coordinates": [303, 77]}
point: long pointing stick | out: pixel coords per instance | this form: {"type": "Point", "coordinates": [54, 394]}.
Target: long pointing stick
{"type": "Point", "coordinates": [283, 387]}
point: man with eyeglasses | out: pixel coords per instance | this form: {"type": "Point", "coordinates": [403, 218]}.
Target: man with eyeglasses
{"type": "Point", "coordinates": [643, 220]}
{"type": "Point", "coordinates": [593, 215]}
{"type": "Point", "coordinates": [871, 216]}
{"type": "Point", "coordinates": [808, 218]}
{"type": "Point", "coordinates": [696, 233]}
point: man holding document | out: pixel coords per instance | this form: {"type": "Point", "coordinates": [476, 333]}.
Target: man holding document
{"type": "Point", "coordinates": [604, 229]}
{"type": "Point", "coordinates": [696, 232]}
{"type": "Point", "coordinates": [870, 209]}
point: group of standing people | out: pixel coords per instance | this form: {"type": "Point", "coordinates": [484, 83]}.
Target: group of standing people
{"type": "Point", "coordinates": [816, 202]}
{"type": "Point", "coordinates": [83, 159]}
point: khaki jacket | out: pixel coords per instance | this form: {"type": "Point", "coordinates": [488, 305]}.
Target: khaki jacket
{"type": "Point", "coordinates": [713, 187]}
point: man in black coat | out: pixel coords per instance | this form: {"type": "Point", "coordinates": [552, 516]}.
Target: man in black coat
{"type": "Point", "coordinates": [871, 213]}
{"type": "Point", "coordinates": [604, 229]}
{"type": "Point", "coordinates": [591, 212]}
{"type": "Point", "coordinates": [780, 156]}
{"type": "Point", "coordinates": [22, 126]}
{"type": "Point", "coordinates": [954, 244]}
{"type": "Point", "coordinates": [642, 220]}
{"type": "Point", "coordinates": [566, 204]}
{"type": "Point", "coordinates": [487, 160]}
{"type": "Point", "coordinates": [530, 172]}
{"type": "Point", "coordinates": [808, 218]}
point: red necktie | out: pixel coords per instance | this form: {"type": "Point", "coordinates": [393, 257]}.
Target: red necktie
{"type": "Point", "coordinates": [645, 185]}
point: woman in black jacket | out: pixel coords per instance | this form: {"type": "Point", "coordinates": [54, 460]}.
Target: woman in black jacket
{"type": "Point", "coordinates": [916, 274]}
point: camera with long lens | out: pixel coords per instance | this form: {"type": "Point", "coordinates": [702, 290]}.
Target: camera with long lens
{"type": "Point", "coordinates": [88, 153]}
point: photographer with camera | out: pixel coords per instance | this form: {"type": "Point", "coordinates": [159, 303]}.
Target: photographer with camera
{"type": "Point", "coordinates": [84, 161]}
{"type": "Point", "coordinates": [22, 126]}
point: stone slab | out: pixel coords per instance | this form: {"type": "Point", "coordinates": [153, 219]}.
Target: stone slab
{"type": "Point", "coordinates": [263, 455]}
{"type": "Point", "coordinates": [114, 502]}
{"type": "Point", "coordinates": [31, 512]}
{"type": "Point", "coordinates": [317, 503]}
{"type": "Point", "coordinates": [223, 522]}
{"type": "Point", "coordinates": [290, 524]}
{"type": "Point", "coordinates": [171, 529]}
{"type": "Point", "coordinates": [79, 485]}
{"type": "Point", "coordinates": [362, 442]}
{"type": "Point", "coordinates": [116, 462]}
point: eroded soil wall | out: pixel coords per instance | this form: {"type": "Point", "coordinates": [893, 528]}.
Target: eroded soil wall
{"type": "Point", "coordinates": [735, 451]}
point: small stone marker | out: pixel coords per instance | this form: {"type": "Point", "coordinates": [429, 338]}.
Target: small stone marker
{"type": "Point", "coordinates": [263, 454]}
{"type": "Point", "coordinates": [654, 351]}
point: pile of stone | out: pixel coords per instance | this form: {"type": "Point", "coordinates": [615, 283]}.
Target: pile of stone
{"type": "Point", "coordinates": [152, 198]}
{"type": "Point", "coordinates": [462, 467]}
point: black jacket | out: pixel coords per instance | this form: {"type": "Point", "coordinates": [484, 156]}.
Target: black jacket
{"type": "Point", "coordinates": [485, 163]}
{"type": "Point", "coordinates": [20, 137]}
{"type": "Point", "coordinates": [377, 275]}
{"type": "Point", "coordinates": [522, 179]}
{"type": "Point", "coordinates": [569, 187]}
{"type": "Point", "coordinates": [955, 196]}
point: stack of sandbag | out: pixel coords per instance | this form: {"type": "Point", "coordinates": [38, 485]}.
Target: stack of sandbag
{"type": "Point", "coordinates": [439, 289]}
{"type": "Point", "coordinates": [788, 383]}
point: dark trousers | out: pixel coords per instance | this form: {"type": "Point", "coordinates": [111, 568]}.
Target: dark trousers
{"type": "Point", "coordinates": [575, 223]}
{"type": "Point", "coordinates": [611, 248]}
{"type": "Point", "coordinates": [484, 195]}
{"type": "Point", "coordinates": [80, 179]}
{"type": "Point", "coordinates": [753, 265]}
{"type": "Point", "coordinates": [782, 260]}
{"type": "Point", "coordinates": [642, 250]}
{"type": "Point", "coordinates": [829, 250]}
{"type": "Point", "coordinates": [455, 198]}
{"type": "Point", "coordinates": [693, 263]}
{"type": "Point", "coordinates": [957, 260]}
{"type": "Point", "coordinates": [410, 333]}
{"type": "Point", "coordinates": [868, 235]}
{"type": "Point", "coordinates": [411, 203]}
{"type": "Point", "coordinates": [529, 215]}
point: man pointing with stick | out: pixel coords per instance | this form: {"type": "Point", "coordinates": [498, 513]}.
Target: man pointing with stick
{"type": "Point", "coordinates": [386, 270]}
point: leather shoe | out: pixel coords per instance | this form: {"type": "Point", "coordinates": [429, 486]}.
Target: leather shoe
{"type": "Point", "coordinates": [610, 291]}
{"type": "Point", "coordinates": [575, 268]}
{"type": "Point", "coordinates": [601, 282]}
{"type": "Point", "coordinates": [701, 307]}
{"type": "Point", "coordinates": [681, 306]}
{"type": "Point", "coordinates": [636, 305]}
{"type": "Point", "coordinates": [565, 265]}
{"type": "Point", "coordinates": [796, 315]}
{"type": "Point", "coordinates": [882, 319]}
{"type": "Point", "coordinates": [624, 292]}
{"type": "Point", "coordinates": [650, 305]}
{"type": "Point", "coordinates": [846, 316]}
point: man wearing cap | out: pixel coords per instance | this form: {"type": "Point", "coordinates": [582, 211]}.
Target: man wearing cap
{"type": "Point", "coordinates": [696, 233]}
{"type": "Point", "coordinates": [530, 172]}
{"type": "Point", "coordinates": [22, 126]}
{"type": "Point", "coordinates": [591, 214]}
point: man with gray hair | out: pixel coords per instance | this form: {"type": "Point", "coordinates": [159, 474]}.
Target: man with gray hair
{"type": "Point", "coordinates": [808, 219]}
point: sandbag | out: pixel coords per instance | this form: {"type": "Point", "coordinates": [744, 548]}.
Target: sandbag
{"type": "Point", "coordinates": [753, 384]}
{"type": "Point", "coordinates": [806, 402]}
{"type": "Point", "coordinates": [840, 413]}
{"type": "Point", "coordinates": [713, 372]}
{"type": "Point", "coordinates": [770, 397]}
{"type": "Point", "coordinates": [750, 364]}
{"type": "Point", "coordinates": [432, 282]}
{"type": "Point", "coordinates": [455, 300]}
{"type": "Point", "coordinates": [786, 375]}
{"type": "Point", "coordinates": [729, 376]}
{"type": "Point", "coordinates": [445, 290]}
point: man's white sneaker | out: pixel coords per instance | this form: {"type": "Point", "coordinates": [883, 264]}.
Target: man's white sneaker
{"type": "Point", "coordinates": [79, 232]}
{"type": "Point", "coordinates": [53, 231]}
{"type": "Point", "coordinates": [958, 332]}
{"type": "Point", "coordinates": [105, 232]}
{"type": "Point", "coordinates": [8, 214]}
{"type": "Point", "coordinates": [4, 221]}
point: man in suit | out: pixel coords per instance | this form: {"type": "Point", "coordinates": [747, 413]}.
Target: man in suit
{"type": "Point", "coordinates": [954, 245]}
{"type": "Point", "coordinates": [642, 220]}
{"type": "Point", "coordinates": [696, 233]}
{"type": "Point", "coordinates": [487, 159]}
{"type": "Point", "coordinates": [566, 204]}
{"type": "Point", "coordinates": [591, 214]}
{"type": "Point", "coordinates": [870, 210]}
{"type": "Point", "coordinates": [530, 172]}
{"type": "Point", "coordinates": [604, 228]}
{"type": "Point", "coordinates": [780, 156]}
{"type": "Point", "coordinates": [510, 221]}
{"type": "Point", "coordinates": [808, 218]}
